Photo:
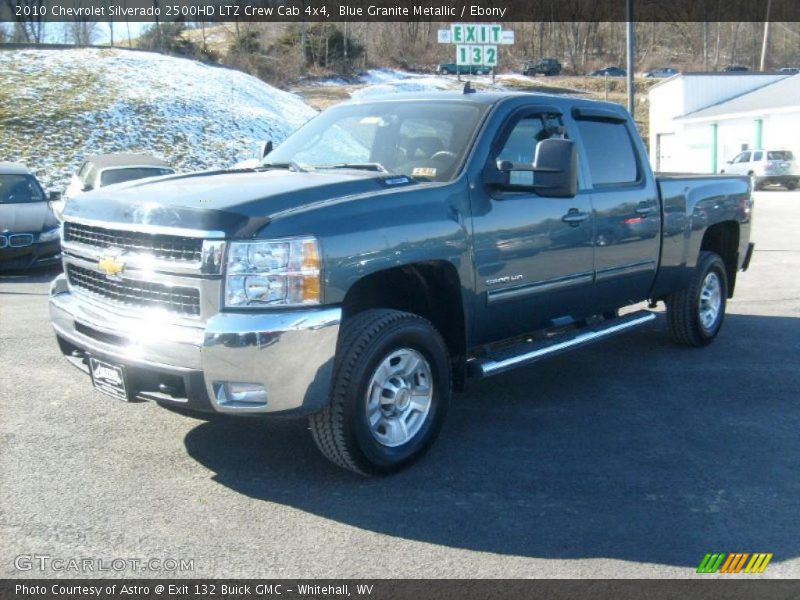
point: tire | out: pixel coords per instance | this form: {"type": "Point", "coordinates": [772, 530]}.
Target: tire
{"type": "Point", "coordinates": [791, 185]}
{"type": "Point", "coordinates": [372, 376]}
{"type": "Point", "coordinates": [688, 311]}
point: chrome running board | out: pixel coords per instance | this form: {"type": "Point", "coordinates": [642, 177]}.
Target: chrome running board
{"type": "Point", "coordinates": [526, 353]}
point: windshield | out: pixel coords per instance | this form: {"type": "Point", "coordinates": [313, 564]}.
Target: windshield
{"type": "Point", "coordinates": [425, 141]}
{"type": "Point", "coordinates": [780, 155]}
{"type": "Point", "coordinates": [112, 176]}
{"type": "Point", "coordinates": [16, 189]}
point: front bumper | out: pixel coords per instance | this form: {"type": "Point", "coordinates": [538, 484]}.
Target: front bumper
{"type": "Point", "coordinates": [31, 256]}
{"type": "Point", "coordinates": [289, 353]}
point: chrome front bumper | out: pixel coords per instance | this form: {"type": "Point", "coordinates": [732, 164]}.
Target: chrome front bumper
{"type": "Point", "coordinates": [288, 353]}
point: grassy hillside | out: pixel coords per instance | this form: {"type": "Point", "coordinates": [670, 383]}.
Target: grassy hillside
{"type": "Point", "coordinates": [56, 106]}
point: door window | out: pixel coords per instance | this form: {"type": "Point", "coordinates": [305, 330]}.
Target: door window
{"type": "Point", "coordinates": [742, 158]}
{"type": "Point", "coordinates": [757, 156]}
{"type": "Point", "coordinates": [519, 147]}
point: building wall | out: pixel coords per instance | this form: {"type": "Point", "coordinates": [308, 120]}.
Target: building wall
{"type": "Point", "coordinates": [688, 147]}
{"type": "Point", "coordinates": [691, 147]}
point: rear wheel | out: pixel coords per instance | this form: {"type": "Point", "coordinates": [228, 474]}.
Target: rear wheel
{"type": "Point", "coordinates": [391, 388]}
{"type": "Point", "coordinates": [791, 185]}
{"type": "Point", "coordinates": [695, 314]}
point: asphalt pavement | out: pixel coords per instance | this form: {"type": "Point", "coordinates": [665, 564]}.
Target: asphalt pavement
{"type": "Point", "coordinates": [632, 458]}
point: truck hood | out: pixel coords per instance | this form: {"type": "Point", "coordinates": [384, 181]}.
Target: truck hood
{"type": "Point", "coordinates": [26, 217]}
{"type": "Point", "coordinates": [237, 203]}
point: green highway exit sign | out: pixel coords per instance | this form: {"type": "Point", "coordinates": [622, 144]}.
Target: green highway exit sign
{"type": "Point", "coordinates": [475, 33]}
{"type": "Point", "coordinates": [476, 43]}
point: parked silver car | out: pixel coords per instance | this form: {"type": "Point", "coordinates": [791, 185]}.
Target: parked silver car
{"type": "Point", "coordinates": [29, 232]}
{"type": "Point", "coordinates": [107, 169]}
{"type": "Point", "coordinates": [766, 167]}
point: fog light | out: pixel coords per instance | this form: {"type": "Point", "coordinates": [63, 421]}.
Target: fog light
{"type": "Point", "coordinates": [235, 394]}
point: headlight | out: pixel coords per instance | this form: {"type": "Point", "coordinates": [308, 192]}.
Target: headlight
{"type": "Point", "coordinates": [277, 272]}
{"type": "Point", "coordinates": [50, 235]}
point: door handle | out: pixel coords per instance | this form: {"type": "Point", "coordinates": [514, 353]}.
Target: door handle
{"type": "Point", "coordinates": [574, 217]}
{"type": "Point", "coordinates": [644, 209]}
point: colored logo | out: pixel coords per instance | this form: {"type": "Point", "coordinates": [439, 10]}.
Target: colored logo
{"type": "Point", "coordinates": [735, 562]}
{"type": "Point", "coordinates": [111, 266]}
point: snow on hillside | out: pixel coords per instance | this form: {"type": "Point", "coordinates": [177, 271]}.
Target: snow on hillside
{"type": "Point", "coordinates": [58, 105]}
{"type": "Point", "coordinates": [381, 82]}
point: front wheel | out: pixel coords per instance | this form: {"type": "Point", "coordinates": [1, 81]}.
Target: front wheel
{"type": "Point", "coordinates": [695, 314]}
{"type": "Point", "coordinates": [390, 392]}
{"type": "Point", "coordinates": [791, 185]}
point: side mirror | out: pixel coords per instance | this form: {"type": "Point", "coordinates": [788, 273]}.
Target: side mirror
{"type": "Point", "coordinates": [54, 196]}
{"type": "Point", "coordinates": [555, 169]}
{"type": "Point", "coordinates": [728, 162]}
{"type": "Point", "coordinates": [87, 188]}
{"type": "Point", "coordinates": [264, 149]}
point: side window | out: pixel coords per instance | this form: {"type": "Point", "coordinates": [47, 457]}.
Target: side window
{"type": "Point", "coordinates": [743, 157]}
{"type": "Point", "coordinates": [609, 152]}
{"type": "Point", "coordinates": [757, 156]}
{"type": "Point", "coordinates": [520, 145]}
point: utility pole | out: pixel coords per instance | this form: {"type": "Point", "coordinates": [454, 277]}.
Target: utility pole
{"type": "Point", "coordinates": [765, 43]}
{"type": "Point", "coordinates": [631, 57]}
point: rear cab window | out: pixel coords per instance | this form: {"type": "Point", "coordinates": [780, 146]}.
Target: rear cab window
{"type": "Point", "coordinates": [609, 151]}
{"type": "Point", "coordinates": [112, 176]}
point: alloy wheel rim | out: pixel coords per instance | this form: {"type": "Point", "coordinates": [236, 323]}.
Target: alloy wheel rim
{"type": "Point", "coordinates": [399, 397]}
{"type": "Point", "coordinates": [710, 300]}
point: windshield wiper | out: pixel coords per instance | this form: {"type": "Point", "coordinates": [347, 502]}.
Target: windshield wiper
{"type": "Point", "coordinates": [291, 165]}
{"type": "Point", "coordinates": [368, 166]}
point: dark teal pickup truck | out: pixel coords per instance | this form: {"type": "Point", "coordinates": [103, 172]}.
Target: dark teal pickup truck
{"type": "Point", "coordinates": [384, 254]}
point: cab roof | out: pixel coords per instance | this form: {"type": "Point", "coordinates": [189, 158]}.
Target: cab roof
{"type": "Point", "coordinates": [562, 101]}
{"type": "Point", "coordinates": [10, 168]}
{"type": "Point", "coordinates": [125, 159]}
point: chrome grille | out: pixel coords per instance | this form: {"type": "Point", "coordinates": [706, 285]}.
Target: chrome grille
{"type": "Point", "coordinates": [170, 247]}
{"type": "Point", "coordinates": [20, 240]}
{"type": "Point", "coordinates": [135, 293]}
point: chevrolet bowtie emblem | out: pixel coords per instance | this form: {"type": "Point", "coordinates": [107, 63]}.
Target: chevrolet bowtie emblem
{"type": "Point", "coordinates": [111, 266]}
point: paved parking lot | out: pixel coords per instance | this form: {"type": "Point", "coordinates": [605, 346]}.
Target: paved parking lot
{"type": "Point", "coordinates": [633, 458]}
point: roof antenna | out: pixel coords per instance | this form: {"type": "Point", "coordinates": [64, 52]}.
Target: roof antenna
{"type": "Point", "coordinates": [468, 89]}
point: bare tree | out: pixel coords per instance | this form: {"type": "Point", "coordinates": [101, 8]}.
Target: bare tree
{"type": "Point", "coordinates": [31, 28]}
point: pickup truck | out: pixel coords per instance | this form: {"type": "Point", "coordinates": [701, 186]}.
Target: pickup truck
{"type": "Point", "coordinates": [385, 253]}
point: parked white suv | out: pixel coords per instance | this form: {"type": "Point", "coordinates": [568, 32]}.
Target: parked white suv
{"type": "Point", "coordinates": [766, 167]}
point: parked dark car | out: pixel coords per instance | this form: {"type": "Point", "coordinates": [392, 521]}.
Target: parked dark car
{"type": "Point", "coordinates": [662, 72]}
{"type": "Point", "coordinates": [387, 252]}
{"type": "Point", "coordinates": [545, 66]}
{"type": "Point", "coordinates": [454, 69]}
{"type": "Point", "coordinates": [29, 232]}
{"type": "Point", "coordinates": [735, 69]}
{"type": "Point", "coordinates": [789, 70]}
{"type": "Point", "coordinates": [609, 72]}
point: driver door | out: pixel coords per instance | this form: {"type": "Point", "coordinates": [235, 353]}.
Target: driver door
{"type": "Point", "coordinates": [533, 255]}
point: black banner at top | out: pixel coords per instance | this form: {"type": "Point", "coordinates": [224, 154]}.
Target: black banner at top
{"type": "Point", "coordinates": [497, 11]}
